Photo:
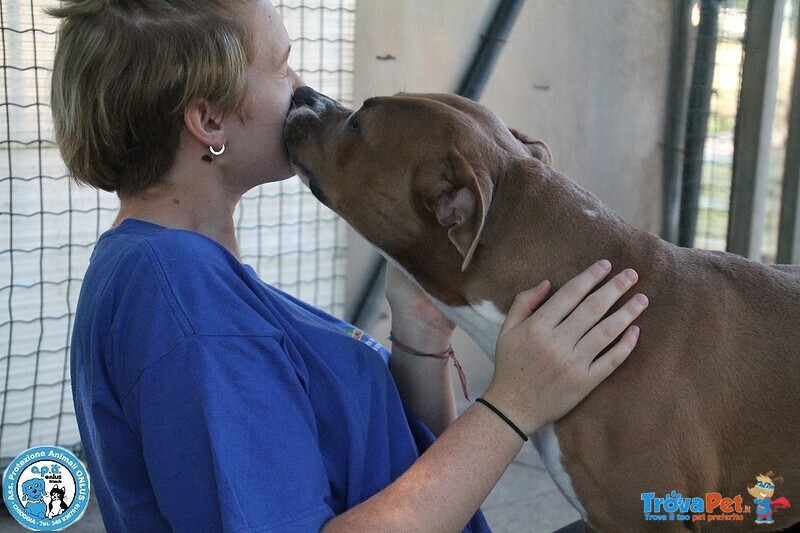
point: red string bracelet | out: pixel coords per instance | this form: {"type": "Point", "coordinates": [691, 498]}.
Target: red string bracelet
{"type": "Point", "coordinates": [449, 353]}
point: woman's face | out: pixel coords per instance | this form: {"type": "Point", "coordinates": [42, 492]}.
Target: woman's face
{"type": "Point", "coordinates": [255, 152]}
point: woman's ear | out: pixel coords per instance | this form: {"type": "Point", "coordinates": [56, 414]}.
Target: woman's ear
{"type": "Point", "coordinates": [203, 124]}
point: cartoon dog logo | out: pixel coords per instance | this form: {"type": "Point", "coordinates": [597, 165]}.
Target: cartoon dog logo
{"type": "Point", "coordinates": [33, 494]}
{"type": "Point", "coordinates": [762, 493]}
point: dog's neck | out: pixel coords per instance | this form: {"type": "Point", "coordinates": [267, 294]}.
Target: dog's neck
{"type": "Point", "coordinates": [566, 229]}
{"type": "Point", "coordinates": [540, 225]}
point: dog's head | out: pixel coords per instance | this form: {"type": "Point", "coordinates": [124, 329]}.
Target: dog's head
{"type": "Point", "coordinates": [408, 167]}
{"type": "Point", "coordinates": [33, 489]}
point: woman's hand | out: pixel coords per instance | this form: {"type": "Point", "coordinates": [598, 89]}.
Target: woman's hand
{"type": "Point", "coordinates": [544, 362]}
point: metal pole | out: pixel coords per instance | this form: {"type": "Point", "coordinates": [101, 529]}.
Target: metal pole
{"type": "Point", "coordinates": [492, 42]}
{"type": "Point", "coordinates": [677, 104]}
{"type": "Point", "coordinates": [789, 229]}
{"type": "Point", "coordinates": [754, 121]}
{"type": "Point", "coordinates": [697, 124]}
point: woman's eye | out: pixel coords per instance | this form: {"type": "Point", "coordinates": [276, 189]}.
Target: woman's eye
{"type": "Point", "coordinates": [352, 123]}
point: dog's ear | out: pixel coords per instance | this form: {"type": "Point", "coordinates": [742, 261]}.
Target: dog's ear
{"type": "Point", "coordinates": [459, 196]}
{"type": "Point", "coordinates": [538, 149]}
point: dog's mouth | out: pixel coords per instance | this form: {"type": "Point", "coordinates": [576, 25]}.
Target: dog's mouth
{"type": "Point", "coordinates": [310, 180]}
{"type": "Point", "coordinates": [303, 126]}
{"type": "Point", "coordinates": [298, 112]}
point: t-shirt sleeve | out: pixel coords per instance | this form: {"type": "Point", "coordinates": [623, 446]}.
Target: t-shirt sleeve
{"type": "Point", "coordinates": [229, 437]}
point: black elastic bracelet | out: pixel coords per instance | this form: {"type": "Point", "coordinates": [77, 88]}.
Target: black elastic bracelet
{"type": "Point", "coordinates": [504, 417]}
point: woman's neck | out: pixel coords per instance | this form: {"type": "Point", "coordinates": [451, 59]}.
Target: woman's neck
{"type": "Point", "coordinates": [198, 205]}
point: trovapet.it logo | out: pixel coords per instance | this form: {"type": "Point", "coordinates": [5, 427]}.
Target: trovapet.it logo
{"type": "Point", "coordinates": [676, 507]}
{"type": "Point", "coordinates": [713, 506]}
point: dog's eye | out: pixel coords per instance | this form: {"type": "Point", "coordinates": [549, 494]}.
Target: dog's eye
{"type": "Point", "coordinates": [352, 123]}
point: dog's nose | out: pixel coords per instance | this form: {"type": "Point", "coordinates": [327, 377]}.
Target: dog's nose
{"type": "Point", "coordinates": [305, 96]}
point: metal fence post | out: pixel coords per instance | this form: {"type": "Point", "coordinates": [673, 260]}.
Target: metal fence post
{"type": "Point", "coordinates": [677, 112]}
{"type": "Point", "coordinates": [697, 123]}
{"type": "Point", "coordinates": [754, 122]}
{"type": "Point", "coordinates": [789, 229]}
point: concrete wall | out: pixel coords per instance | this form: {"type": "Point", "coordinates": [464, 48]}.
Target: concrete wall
{"type": "Point", "coordinates": [588, 77]}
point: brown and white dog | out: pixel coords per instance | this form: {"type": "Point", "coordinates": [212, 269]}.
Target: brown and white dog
{"type": "Point", "coordinates": [474, 213]}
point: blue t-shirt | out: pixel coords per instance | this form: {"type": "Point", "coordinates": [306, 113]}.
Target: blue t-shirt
{"type": "Point", "coordinates": [208, 400]}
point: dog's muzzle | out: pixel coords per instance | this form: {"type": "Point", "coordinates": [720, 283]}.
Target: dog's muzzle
{"type": "Point", "coordinates": [306, 114]}
{"type": "Point", "coordinates": [306, 100]}
{"type": "Point", "coordinates": [303, 128]}
{"type": "Point", "coordinates": [307, 97]}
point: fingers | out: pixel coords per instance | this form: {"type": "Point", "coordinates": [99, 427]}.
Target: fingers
{"type": "Point", "coordinates": [553, 348]}
{"type": "Point", "coordinates": [567, 298]}
{"type": "Point", "coordinates": [604, 333]}
{"type": "Point", "coordinates": [605, 365]}
{"type": "Point", "coordinates": [597, 304]}
{"type": "Point", "coordinates": [524, 305]}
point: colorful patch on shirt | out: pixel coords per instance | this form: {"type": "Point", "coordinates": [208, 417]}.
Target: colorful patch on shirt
{"type": "Point", "coordinates": [362, 336]}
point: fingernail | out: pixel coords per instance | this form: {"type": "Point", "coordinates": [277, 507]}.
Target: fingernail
{"type": "Point", "coordinates": [604, 265]}
{"type": "Point", "coordinates": [642, 300]}
{"type": "Point", "coordinates": [540, 286]}
{"type": "Point", "coordinates": [635, 331]}
{"type": "Point", "coordinates": [631, 274]}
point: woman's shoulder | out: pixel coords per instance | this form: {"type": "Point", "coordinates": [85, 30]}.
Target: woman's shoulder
{"type": "Point", "coordinates": [133, 238]}
{"type": "Point", "coordinates": [199, 279]}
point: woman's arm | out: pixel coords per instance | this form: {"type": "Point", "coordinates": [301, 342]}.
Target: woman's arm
{"type": "Point", "coordinates": [544, 367]}
{"type": "Point", "coordinates": [423, 382]}
{"type": "Point", "coordinates": [444, 488]}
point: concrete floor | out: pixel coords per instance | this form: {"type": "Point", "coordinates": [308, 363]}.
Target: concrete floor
{"type": "Point", "coordinates": [526, 500]}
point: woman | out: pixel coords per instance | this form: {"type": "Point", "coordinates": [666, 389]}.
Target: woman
{"type": "Point", "coordinates": [208, 400]}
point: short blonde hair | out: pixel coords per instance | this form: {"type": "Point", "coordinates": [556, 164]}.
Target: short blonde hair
{"type": "Point", "coordinates": [124, 72]}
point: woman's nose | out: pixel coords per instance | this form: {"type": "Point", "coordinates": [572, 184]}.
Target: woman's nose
{"type": "Point", "coordinates": [295, 80]}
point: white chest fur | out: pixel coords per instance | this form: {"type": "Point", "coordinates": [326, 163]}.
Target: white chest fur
{"type": "Point", "coordinates": [546, 443]}
{"type": "Point", "coordinates": [482, 322]}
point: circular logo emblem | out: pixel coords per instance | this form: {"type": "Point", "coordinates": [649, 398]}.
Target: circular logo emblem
{"type": "Point", "coordinates": [46, 488]}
